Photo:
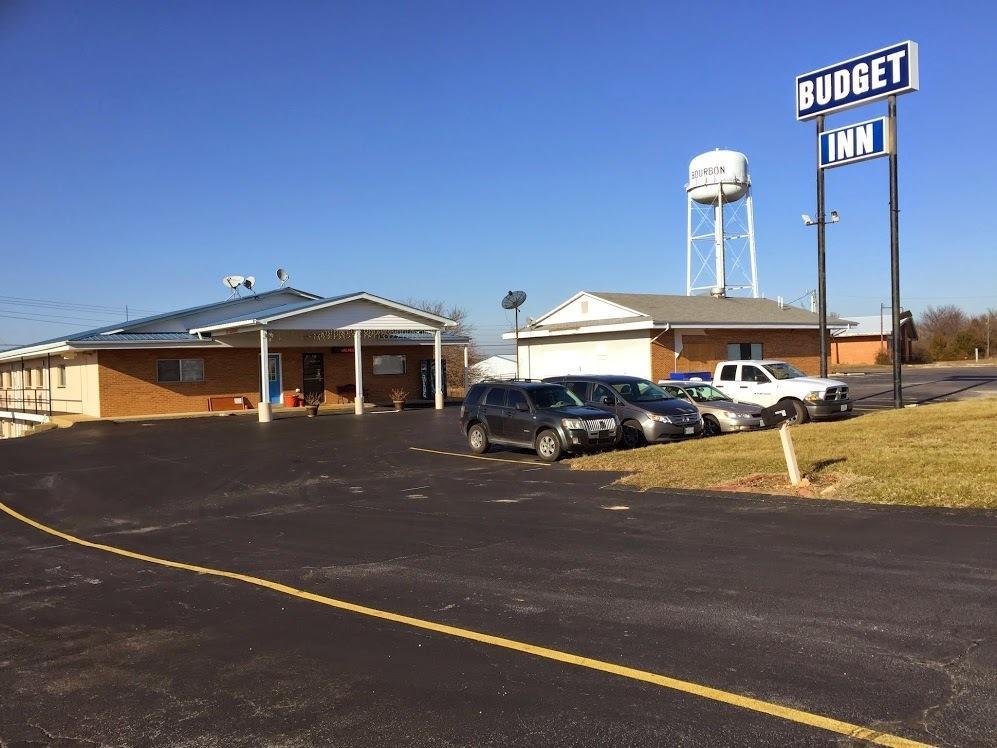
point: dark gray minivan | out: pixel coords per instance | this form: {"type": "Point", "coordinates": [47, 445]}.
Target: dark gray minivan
{"type": "Point", "coordinates": [649, 414]}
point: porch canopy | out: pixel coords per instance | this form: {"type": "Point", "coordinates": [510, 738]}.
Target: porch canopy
{"type": "Point", "coordinates": [349, 318]}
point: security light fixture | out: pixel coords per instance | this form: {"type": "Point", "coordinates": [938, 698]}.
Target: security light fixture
{"type": "Point", "coordinates": [834, 216]}
{"type": "Point", "coordinates": [807, 220]}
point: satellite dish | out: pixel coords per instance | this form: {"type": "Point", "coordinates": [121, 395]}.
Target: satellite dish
{"type": "Point", "coordinates": [249, 282]}
{"type": "Point", "coordinates": [233, 281]}
{"type": "Point", "coordinates": [513, 299]}
{"type": "Point", "coordinates": [282, 276]}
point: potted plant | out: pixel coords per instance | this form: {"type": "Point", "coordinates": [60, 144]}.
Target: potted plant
{"type": "Point", "coordinates": [312, 401]}
{"type": "Point", "coordinates": [398, 396]}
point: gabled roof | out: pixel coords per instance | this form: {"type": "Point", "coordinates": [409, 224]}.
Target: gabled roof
{"type": "Point", "coordinates": [707, 310]}
{"type": "Point", "coordinates": [244, 310]}
{"type": "Point", "coordinates": [264, 316]}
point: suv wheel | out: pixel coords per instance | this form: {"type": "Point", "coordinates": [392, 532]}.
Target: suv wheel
{"type": "Point", "coordinates": [548, 446]}
{"type": "Point", "coordinates": [633, 435]}
{"type": "Point", "coordinates": [477, 439]}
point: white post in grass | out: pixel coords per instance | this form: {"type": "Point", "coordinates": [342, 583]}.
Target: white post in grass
{"type": "Point", "coordinates": [790, 451]}
{"type": "Point", "coordinates": [358, 372]}
{"type": "Point", "coordinates": [264, 412]}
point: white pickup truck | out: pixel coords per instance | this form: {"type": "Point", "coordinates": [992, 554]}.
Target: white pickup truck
{"type": "Point", "coordinates": [766, 382]}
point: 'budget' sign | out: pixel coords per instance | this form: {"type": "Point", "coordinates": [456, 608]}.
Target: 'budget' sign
{"type": "Point", "coordinates": [858, 142]}
{"type": "Point", "coordinates": [872, 76]}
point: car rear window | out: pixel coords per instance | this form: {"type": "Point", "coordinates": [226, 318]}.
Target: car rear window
{"type": "Point", "coordinates": [474, 394]}
{"type": "Point", "coordinates": [496, 396]}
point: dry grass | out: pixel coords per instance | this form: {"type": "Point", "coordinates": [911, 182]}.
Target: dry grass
{"type": "Point", "coordinates": [934, 455]}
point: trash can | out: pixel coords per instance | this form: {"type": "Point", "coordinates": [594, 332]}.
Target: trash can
{"type": "Point", "coordinates": [291, 399]}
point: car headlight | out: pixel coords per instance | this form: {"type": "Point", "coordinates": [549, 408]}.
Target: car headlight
{"type": "Point", "coordinates": [573, 423]}
{"type": "Point", "coordinates": [813, 397]}
{"type": "Point", "coordinates": [659, 419]}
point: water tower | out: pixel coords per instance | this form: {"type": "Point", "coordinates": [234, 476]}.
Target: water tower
{"type": "Point", "coordinates": [720, 249]}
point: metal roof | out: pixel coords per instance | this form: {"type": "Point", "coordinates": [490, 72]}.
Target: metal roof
{"type": "Point", "coordinates": [123, 326]}
{"type": "Point", "coordinates": [875, 324]}
{"type": "Point", "coordinates": [132, 337]}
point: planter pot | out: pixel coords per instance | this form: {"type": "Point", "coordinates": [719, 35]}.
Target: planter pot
{"type": "Point", "coordinates": [312, 410]}
{"type": "Point", "coordinates": [399, 404]}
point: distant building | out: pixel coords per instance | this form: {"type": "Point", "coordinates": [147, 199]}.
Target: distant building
{"type": "Point", "coordinates": [209, 358]}
{"type": "Point", "coordinates": [652, 335]}
{"type": "Point", "coordinates": [871, 336]}
{"type": "Point", "coordinates": [493, 367]}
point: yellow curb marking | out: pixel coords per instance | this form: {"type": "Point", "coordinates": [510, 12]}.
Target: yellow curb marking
{"type": "Point", "coordinates": [706, 692]}
{"type": "Point", "coordinates": [479, 457]}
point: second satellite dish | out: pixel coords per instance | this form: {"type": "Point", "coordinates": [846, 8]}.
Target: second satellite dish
{"type": "Point", "coordinates": [249, 282]}
{"type": "Point", "coordinates": [513, 299]}
{"type": "Point", "coordinates": [282, 276]}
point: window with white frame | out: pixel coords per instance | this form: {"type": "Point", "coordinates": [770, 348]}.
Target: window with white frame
{"type": "Point", "coordinates": [173, 370]}
{"type": "Point", "coordinates": [36, 377]}
{"type": "Point", "coordinates": [5, 380]}
{"type": "Point", "coordinates": [389, 364]}
{"type": "Point", "coordinates": [60, 375]}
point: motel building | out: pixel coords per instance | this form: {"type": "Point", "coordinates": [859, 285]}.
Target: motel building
{"type": "Point", "coordinates": [354, 348]}
{"type": "Point", "coordinates": [653, 335]}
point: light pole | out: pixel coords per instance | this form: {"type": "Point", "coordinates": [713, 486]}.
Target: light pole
{"type": "Point", "coordinates": [820, 222]}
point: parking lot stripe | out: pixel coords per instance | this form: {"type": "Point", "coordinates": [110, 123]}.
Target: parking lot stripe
{"type": "Point", "coordinates": [479, 457]}
{"type": "Point", "coordinates": [688, 687]}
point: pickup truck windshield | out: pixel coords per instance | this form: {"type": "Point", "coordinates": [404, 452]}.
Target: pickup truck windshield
{"type": "Point", "coordinates": [554, 396]}
{"type": "Point", "coordinates": [641, 392]}
{"type": "Point", "coordinates": [704, 393]}
{"type": "Point", "coordinates": [783, 371]}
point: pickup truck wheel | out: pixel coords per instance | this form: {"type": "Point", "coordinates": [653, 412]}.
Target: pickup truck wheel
{"type": "Point", "coordinates": [548, 446]}
{"type": "Point", "coordinates": [477, 439]}
{"type": "Point", "coordinates": [633, 435]}
{"type": "Point", "coordinates": [711, 426]}
{"type": "Point", "coordinates": [802, 414]}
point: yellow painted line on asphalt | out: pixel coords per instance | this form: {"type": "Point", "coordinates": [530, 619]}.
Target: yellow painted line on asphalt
{"type": "Point", "coordinates": [479, 457]}
{"type": "Point", "coordinates": [688, 687]}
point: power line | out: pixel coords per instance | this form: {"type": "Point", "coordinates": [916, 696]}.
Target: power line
{"type": "Point", "coordinates": [59, 319]}
{"type": "Point", "coordinates": [70, 305]}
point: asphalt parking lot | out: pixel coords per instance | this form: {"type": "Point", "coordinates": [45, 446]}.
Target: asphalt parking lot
{"type": "Point", "coordinates": [879, 617]}
{"type": "Point", "coordinates": [922, 385]}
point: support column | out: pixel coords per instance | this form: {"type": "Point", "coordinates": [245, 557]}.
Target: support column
{"type": "Point", "coordinates": [358, 372]}
{"type": "Point", "coordinates": [265, 414]}
{"type": "Point", "coordinates": [438, 362]}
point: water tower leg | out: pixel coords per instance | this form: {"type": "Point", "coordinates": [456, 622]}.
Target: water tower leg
{"type": "Point", "coordinates": [688, 246]}
{"type": "Point", "coordinates": [751, 244]}
{"type": "Point", "coordinates": [718, 234]}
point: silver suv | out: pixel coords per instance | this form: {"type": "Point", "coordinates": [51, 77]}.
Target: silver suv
{"type": "Point", "coordinates": [649, 414]}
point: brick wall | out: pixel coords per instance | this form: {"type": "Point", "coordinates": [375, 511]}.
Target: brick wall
{"type": "Point", "coordinates": [801, 348]}
{"type": "Point", "coordinates": [128, 385]}
{"type": "Point", "coordinates": [857, 350]}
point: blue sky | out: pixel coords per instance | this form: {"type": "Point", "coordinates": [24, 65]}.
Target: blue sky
{"type": "Point", "coordinates": [456, 150]}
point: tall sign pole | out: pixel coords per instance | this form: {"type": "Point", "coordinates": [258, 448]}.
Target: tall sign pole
{"type": "Point", "coordinates": [874, 76]}
{"type": "Point", "coordinates": [821, 255]}
{"type": "Point", "coordinates": [898, 393]}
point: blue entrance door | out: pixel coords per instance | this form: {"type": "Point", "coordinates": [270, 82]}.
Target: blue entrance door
{"type": "Point", "coordinates": [273, 367]}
